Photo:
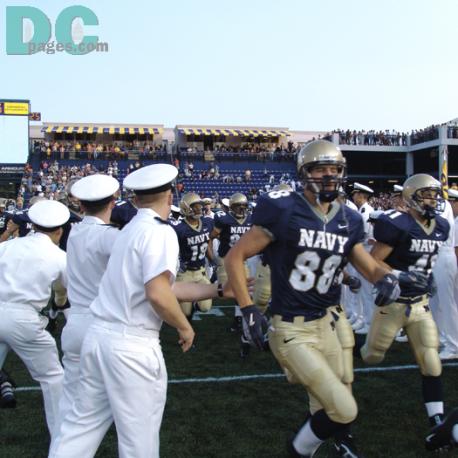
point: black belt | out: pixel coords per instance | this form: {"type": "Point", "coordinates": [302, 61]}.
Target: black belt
{"type": "Point", "coordinates": [290, 318]}
{"type": "Point", "coordinates": [193, 269]}
{"type": "Point", "coordinates": [410, 300]}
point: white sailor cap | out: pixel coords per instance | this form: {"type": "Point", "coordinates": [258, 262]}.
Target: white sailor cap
{"type": "Point", "coordinates": [375, 214]}
{"type": "Point", "coordinates": [151, 179]}
{"type": "Point", "coordinates": [358, 187]}
{"type": "Point", "coordinates": [225, 202]}
{"type": "Point", "coordinates": [49, 214]}
{"type": "Point", "coordinates": [452, 194]}
{"type": "Point", "coordinates": [397, 188]}
{"type": "Point", "coordinates": [95, 187]}
{"type": "Point", "coordinates": [174, 209]}
{"type": "Point", "coordinates": [207, 200]}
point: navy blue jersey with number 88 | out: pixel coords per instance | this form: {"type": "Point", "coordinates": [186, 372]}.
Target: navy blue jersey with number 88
{"type": "Point", "coordinates": [307, 253]}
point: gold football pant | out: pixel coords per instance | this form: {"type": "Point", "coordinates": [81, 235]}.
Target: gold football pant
{"type": "Point", "coordinates": [421, 330]}
{"type": "Point", "coordinates": [347, 341]}
{"type": "Point", "coordinates": [197, 276]}
{"type": "Point", "coordinates": [262, 287]}
{"type": "Point", "coordinates": [221, 271]}
{"type": "Point", "coordinates": [310, 353]}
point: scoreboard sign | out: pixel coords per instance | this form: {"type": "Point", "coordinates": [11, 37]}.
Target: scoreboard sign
{"type": "Point", "coordinates": [14, 131]}
{"type": "Point", "coordinates": [14, 108]}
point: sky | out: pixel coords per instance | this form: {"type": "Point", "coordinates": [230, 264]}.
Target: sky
{"type": "Point", "coordinates": [300, 64]}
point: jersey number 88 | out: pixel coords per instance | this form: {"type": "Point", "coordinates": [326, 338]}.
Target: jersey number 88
{"type": "Point", "coordinates": [308, 274]}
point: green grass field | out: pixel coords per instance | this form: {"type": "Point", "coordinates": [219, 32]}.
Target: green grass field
{"type": "Point", "coordinates": [211, 412]}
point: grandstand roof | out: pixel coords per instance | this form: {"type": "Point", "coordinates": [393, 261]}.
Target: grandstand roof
{"type": "Point", "coordinates": [152, 129]}
{"type": "Point", "coordinates": [236, 131]}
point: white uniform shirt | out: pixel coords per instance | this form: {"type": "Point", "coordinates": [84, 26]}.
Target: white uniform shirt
{"type": "Point", "coordinates": [456, 231]}
{"type": "Point", "coordinates": [448, 215]}
{"type": "Point", "coordinates": [29, 266]}
{"type": "Point", "coordinates": [365, 210]}
{"type": "Point", "coordinates": [144, 249]}
{"type": "Point", "coordinates": [88, 251]}
{"type": "Point", "coordinates": [350, 204]}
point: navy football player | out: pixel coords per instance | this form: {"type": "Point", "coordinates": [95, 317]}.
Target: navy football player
{"type": "Point", "coordinates": [408, 244]}
{"type": "Point", "coordinates": [308, 238]}
{"type": "Point", "coordinates": [229, 227]}
{"type": "Point", "coordinates": [193, 234]}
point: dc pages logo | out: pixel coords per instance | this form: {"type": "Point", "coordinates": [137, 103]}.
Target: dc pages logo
{"type": "Point", "coordinates": [29, 31]}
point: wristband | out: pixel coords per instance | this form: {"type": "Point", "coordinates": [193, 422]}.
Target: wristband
{"type": "Point", "coordinates": [220, 290]}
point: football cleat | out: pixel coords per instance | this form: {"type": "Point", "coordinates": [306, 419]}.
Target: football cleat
{"type": "Point", "coordinates": [441, 437]}
{"type": "Point", "coordinates": [346, 448]}
{"type": "Point", "coordinates": [7, 398]}
{"type": "Point", "coordinates": [236, 325]}
{"type": "Point", "coordinates": [401, 336]}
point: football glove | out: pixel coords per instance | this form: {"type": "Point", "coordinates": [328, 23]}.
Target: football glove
{"type": "Point", "coordinates": [255, 326]}
{"type": "Point", "coordinates": [386, 290]}
{"type": "Point", "coordinates": [413, 278]}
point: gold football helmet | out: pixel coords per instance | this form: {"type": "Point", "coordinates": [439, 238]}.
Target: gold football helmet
{"type": "Point", "coordinates": [316, 153]}
{"type": "Point", "coordinates": [238, 205]}
{"type": "Point", "coordinates": [283, 187]}
{"type": "Point", "coordinates": [191, 205]}
{"type": "Point", "coordinates": [421, 187]}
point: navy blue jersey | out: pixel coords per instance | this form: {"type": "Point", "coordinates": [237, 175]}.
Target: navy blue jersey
{"type": "Point", "coordinates": [231, 230]}
{"type": "Point", "coordinates": [308, 251]}
{"type": "Point", "coordinates": [193, 243]}
{"type": "Point", "coordinates": [414, 247]}
{"type": "Point", "coordinates": [122, 213]}
{"type": "Point", "coordinates": [74, 219]}
{"type": "Point", "coordinates": [21, 218]}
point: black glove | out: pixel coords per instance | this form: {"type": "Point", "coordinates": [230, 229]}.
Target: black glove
{"type": "Point", "coordinates": [354, 283]}
{"type": "Point", "coordinates": [255, 326]}
{"type": "Point", "coordinates": [432, 286]}
{"type": "Point", "coordinates": [387, 290]}
{"type": "Point", "coordinates": [415, 279]}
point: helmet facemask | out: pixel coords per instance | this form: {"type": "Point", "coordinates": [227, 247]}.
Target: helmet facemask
{"type": "Point", "coordinates": [328, 187]}
{"type": "Point", "coordinates": [239, 211]}
{"type": "Point", "coordinates": [427, 210]}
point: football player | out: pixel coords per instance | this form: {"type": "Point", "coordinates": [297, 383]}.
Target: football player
{"type": "Point", "coordinates": [408, 244]}
{"type": "Point", "coordinates": [193, 234]}
{"type": "Point", "coordinates": [229, 227]}
{"type": "Point", "coordinates": [307, 238]}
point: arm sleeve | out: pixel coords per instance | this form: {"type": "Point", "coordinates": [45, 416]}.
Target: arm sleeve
{"type": "Point", "coordinates": [271, 214]}
{"type": "Point", "coordinates": [386, 232]}
{"type": "Point", "coordinates": [159, 253]}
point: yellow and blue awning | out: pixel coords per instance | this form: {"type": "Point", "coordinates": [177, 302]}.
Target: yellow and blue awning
{"type": "Point", "coordinates": [111, 130]}
{"type": "Point", "coordinates": [233, 132]}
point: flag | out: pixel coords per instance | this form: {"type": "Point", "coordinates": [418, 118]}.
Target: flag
{"type": "Point", "coordinates": [444, 170]}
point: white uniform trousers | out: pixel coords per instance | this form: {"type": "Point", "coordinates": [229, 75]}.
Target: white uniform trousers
{"type": "Point", "coordinates": [78, 322]}
{"type": "Point", "coordinates": [443, 303]}
{"type": "Point", "coordinates": [22, 328]}
{"type": "Point", "coordinates": [352, 302]}
{"type": "Point", "coordinates": [365, 297]}
{"type": "Point", "coordinates": [122, 378]}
